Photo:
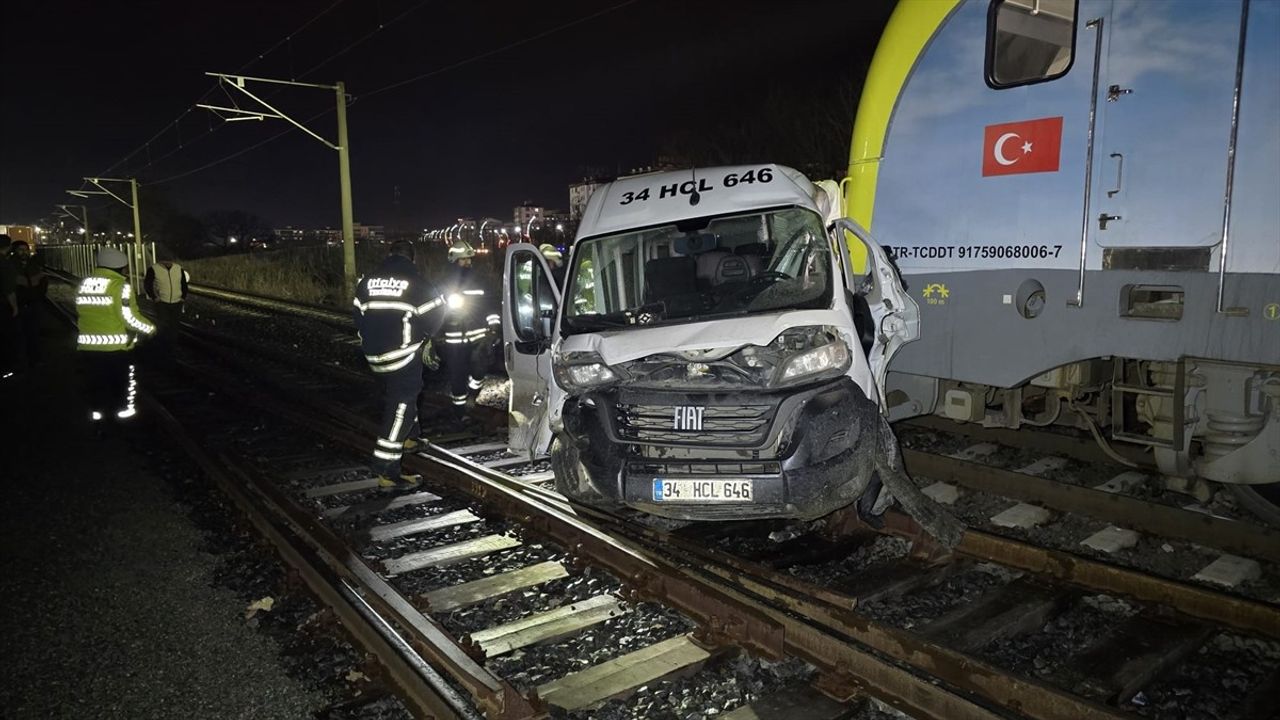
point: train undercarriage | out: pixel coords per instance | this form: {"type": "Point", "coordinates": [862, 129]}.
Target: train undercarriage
{"type": "Point", "coordinates": [1199, 421]}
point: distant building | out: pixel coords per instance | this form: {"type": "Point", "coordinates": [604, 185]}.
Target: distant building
{"type": "Point", "coordinates": [522, 214]}
{"type": "Point", "coordinates": [20, 233]}
{"type": "Point", "coordinates": [579, 194]}
{"type": "Point", "coordinates": [369, 233]}
{"type": "Point", "coordinates": [290, 235]}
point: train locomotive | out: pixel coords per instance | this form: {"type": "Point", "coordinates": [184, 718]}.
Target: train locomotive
{"type": "Point", "coordinates": [1082, 196]}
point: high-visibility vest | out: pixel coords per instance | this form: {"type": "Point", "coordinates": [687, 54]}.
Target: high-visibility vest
{"type": "Point", "coordinates": [168, 282]}
{"type": "Point", "coordinates": [108, 315]}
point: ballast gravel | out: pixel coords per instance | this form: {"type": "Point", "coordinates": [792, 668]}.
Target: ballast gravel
{"type": "Point", "coordinates": [112, 606]}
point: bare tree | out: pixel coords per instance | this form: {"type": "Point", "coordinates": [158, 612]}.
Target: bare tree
{"type": "Point", "coordinates": [804, 125]}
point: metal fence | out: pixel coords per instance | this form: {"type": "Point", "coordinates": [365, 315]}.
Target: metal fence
{"type": "Point", "coordinates": [79, 260]}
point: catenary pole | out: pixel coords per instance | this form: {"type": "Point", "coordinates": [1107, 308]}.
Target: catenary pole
{"type": "Point", "coordinates": [240, 84]}
{"type": "Point", "coordinates": [344, 183]}
{"type": "Point", "coordinates": [138, 252]}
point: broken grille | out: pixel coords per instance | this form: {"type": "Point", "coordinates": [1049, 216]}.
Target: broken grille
{"type": "Point", "coordinates": [737, 425]}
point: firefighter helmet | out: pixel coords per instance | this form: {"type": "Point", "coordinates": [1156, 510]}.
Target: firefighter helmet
{"type": "Point", "coordinates": [461, 251]}
{"type": "Point", "coordinates": [551, 253]}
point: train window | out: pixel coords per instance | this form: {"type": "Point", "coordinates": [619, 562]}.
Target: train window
{"type": "Point", "coordinates": [1029, 41]}
{"type": "Point", "coordinates": [1151, 302]}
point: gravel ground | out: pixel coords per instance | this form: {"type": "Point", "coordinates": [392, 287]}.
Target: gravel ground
{"type": "Point", "coordinates": [1212, 683]}
{"type": "Point", "coordinates": [542, 598]}
{"type": "Point", "coordinates": [645, 625]}
{"type": "Point", "coordinates": [919, 608]}
{"type": "Point", "coordinates": [113, 605]}
{"type": "Point", "coordinates": [1168, 558]}
{"type": "Point", "coordinates": [1038, 654]}
{"type": "Point", "coordinates": [1075, 472]}
{"type": "Point", "coordinates": [719, 688]}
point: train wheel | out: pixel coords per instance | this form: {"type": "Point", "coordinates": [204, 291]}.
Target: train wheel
{"type": "Point", "coordinates": [1261, 500]}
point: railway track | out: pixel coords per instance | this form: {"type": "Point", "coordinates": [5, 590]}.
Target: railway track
{"type": "Point", "coordinates": [1001, 628]}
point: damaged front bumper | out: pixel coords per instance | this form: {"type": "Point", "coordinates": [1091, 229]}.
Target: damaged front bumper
{"type": "Point", "coordinates": [806, 452]}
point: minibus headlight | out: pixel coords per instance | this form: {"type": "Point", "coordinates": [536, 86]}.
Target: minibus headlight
{"type": "Point", "coordinates": [582, 371]}
{"type": "Point", "coordinates": [829, 359]}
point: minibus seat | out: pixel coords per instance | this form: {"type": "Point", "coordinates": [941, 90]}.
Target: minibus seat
{"type": "Point", "coordinates": [669, 277]}
{"type": "Point", "coordinates": [722, 268]}
{"type": "Point", "coordinates": [707, 264]}
{"type": "Point", "coordinates": [754, 253]}
{"type": "Point", "coordinates": [863, 321]}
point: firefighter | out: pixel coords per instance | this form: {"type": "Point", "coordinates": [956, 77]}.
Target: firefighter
{"type": "Point", "coordinates": [466, 327]}
{"type": "Point", "coordinates": [166, 284]}
{"type": "Point", "coordinates": [393, 315]}
{"type": "Point", "coordinates": [110, 325]}
{"type": "Point", "coordinates": [555, 260]}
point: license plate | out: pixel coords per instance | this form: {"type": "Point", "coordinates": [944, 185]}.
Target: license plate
{"type": "Point", "coordinates": [702, 491]}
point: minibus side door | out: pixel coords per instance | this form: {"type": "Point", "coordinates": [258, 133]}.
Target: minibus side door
{"type": "Point", "coordinates": [530, 301]}
{"type": "Point", "coordinates": [896, 315]}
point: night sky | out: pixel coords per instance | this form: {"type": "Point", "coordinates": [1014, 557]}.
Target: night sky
{"type": "Point", "coordinates": [86, 83]}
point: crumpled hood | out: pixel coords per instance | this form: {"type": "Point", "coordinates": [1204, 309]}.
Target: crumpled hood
{"type": "Point", "coordinates": [624, 345]}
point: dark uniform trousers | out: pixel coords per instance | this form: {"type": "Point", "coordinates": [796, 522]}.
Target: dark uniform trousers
{"type": "Point", "coordinates": [465, 371]}
{"type": "Point", "coordinates": [112, 382]}
{"type": "Point", "coordinates": [168, 321]}
{"type": "Point", "coordinates": [400, 391]}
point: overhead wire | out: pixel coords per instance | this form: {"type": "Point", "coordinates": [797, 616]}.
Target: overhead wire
{"type": "Point", "coordinates": [398, 84]}
{"type": "Point", "coordinates": [381, 26]}
{"type": "Point", "coordinates": [351, 46]}
{"type": "Point", "coordinates": [495, 51]}
{"type": "Point", "coordinates": [175, 123]}
{"type": "Point", "coordinates": [237, 153]}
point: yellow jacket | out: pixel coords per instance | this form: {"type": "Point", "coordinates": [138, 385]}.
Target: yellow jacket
{"type": "Point", "coordinates": [108, 313]}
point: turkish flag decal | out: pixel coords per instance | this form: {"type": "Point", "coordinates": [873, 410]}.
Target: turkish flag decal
{"type": "Point", "coordinates": [1027, 146]}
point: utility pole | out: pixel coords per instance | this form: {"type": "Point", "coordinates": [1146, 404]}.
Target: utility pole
{"type": "Point", "coordinates": [139, 253]}
{"type": "Point", "coordinates": [344, 185]}
{"type": "Point", "coordinates": [82, 218]}
{"type": "Point", "coordinates": [238, 82]}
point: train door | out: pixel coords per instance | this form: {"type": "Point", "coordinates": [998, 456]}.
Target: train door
{"type": "Point", "coordinates": [530, 301]}
{"type": "Point", "coordinates": [1163, 123]}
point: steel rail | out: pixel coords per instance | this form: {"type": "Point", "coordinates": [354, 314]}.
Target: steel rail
{"type": "Point", "coordinates": [1169, 522]}
{"type": "Point", "coordinates": [831, 638]}
{"type": "Point", "coordinates": [725, 614]}
{"type": "Point", "coordinates": [1081, 447]}
{"type": "Point", "coordinates": [424, 692]}
{"type": "Point", "coordinates": [495, 696]}
{"type": "Point", "coordinates": [329, 315]}
{"type": "Point", "coordinates": [1025, 696]}
{"type": "Point", "coordinates": [1221, 608]}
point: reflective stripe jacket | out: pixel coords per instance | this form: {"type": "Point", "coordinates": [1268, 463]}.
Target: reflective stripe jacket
{"type": "Point", "coordinates": [107, 308]}
{"type": "Point", "coordinates": [469, 313]}
{"type": "Point", "coordinates": [393, 313]}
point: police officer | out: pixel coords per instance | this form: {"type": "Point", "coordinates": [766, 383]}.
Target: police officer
{"type": "Point", "coordinates": [466, 326]}
{"type": "Point", "coordinates": [110, 324]}
{"type": "Point", "coordinates": [393, 314]}
{"type": "Point", "coordinates": [11, 353]}
{"type": "Point", "coordinates": [166, 283]}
